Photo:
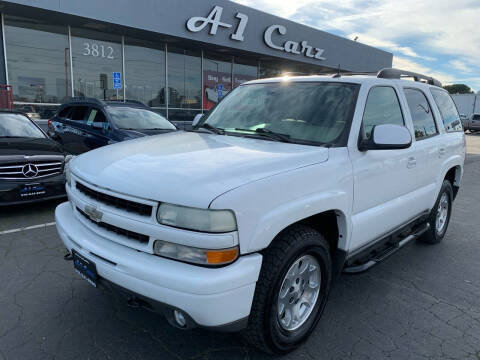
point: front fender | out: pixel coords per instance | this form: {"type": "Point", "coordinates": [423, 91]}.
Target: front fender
{"type": "Point", "coordinates": [265, 207]}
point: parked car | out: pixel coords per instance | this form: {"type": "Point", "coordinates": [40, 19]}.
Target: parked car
{"type": "Point", "coordinates": [472, 124]}
{"type": "Point", "coordinates": [31, 164]}
{"type": "Point", "coordinates": [84, 124]}
{"type": "Point", "coordinates": [246, 221]}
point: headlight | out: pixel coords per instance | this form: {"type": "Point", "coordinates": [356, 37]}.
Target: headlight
{"type": "Point", "coordinates": [68, 176]}
{"type": "Point", "coordinates": [204, 220]}
{"type": "Point", "coordinates": [195, 255]}
{"type": "Point", "coordinates": [66, 169]}
{"type": "Point", "coordinates": [68, 158]}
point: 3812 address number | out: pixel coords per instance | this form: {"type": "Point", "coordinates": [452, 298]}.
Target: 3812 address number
{"type": "Point", "coordinates": [96, 50]}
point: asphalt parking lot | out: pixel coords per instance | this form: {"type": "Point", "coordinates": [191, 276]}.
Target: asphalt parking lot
{"type": "Point", "coordinates": [422, 303]}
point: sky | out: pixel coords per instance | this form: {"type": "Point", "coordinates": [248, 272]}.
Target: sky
{"type": "Point", "coordinates": [440, 38]}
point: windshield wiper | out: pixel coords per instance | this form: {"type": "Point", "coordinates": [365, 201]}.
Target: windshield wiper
{"type": "Point", "coordinates": [269, 133]}
{"type": "Point", "coordinates": [213, 129]}
{"type": "Point", "coordinates": [157, 129]}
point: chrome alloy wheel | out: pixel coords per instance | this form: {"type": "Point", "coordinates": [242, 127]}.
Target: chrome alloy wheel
{"type": "Point", "coordinates": [299, 292]}
{"type": "Point", "coordinates": [442, 213]}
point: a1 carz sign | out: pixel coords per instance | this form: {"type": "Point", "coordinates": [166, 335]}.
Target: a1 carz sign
{"type": "Point", "coordinates": [214, 21]}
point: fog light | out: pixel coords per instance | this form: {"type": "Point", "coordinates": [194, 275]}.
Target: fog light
{"type": "Point", "coordinates": [179, 318]}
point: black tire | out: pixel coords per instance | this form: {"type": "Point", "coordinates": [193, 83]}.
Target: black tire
{"type": "Point", "coordinates": [264, 330]}
{"type": "Point", "coordinates": [433, 235]}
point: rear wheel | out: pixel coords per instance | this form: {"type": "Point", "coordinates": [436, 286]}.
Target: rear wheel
{"type": "Point", "coordinates": [440, 215]}
{"type": "Point", "coordinates": [291, 291]}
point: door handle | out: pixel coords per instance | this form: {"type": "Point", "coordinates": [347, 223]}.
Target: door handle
{"type": "Point", "coordinates": [442, 151]}
{"type": "Point", "coordinates": [411, 162]}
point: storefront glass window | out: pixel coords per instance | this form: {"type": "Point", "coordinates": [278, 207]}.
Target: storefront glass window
{"type": "Point", "coordinates": [243, 71]}
{"type": "Point", "coordinates": [270, 69]}
{"type": "Point", "coordinates": [145, 72]}
{"type": "Point", "coordinates": [96, 56]}
{"type": "Point", "coordinates": [217, 79]}
{"type": "Point", "coordinates": [38, 60]}
{"type": "Point", "coordinates": [184, 84]}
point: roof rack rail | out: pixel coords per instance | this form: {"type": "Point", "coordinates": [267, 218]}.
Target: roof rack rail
{"type": "Point", "coordinates": [352, 73]}
{"type": "Point", "coordinates": [391, 73]}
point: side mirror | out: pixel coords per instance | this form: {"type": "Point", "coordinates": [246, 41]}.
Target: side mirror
{"type": "Point", "coordinates": [196, 119]}
{"type": "Point", "coordinates": [387, 137]}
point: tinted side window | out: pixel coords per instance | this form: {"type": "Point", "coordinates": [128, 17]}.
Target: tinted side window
{"type": "Point", "coordinates": [382, 107]}
{"type": "Point", "coordinates": [96, 116]}
{"type": "Point", "coordinates": [422, 117]}
{"type": "Point", "coordinates": [79, 113]}
{"type": "Point", "coordinates": [64, 113]}
{"type": "Point", "coordinates": [476, 117]}
{"type": "Point", "coordinates": [448, 110]}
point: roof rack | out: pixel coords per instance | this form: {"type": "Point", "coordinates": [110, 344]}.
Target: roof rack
{"type": "Point", "coordinates": [340, 74]}
{"type": "Point", "coordinates": [390, 73]}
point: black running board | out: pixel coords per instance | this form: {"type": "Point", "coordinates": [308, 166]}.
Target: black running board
{"type": "Point", "coordinates": [387, 253]}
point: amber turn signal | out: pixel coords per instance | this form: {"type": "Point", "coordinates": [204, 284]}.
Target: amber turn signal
{"type": "Point", "coordinates": [220, 257]}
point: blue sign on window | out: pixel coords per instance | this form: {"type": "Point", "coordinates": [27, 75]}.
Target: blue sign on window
{"type": "Point", "coordinates": [219, 90]}
{"type": "Point", "coordinates": [117, 80]}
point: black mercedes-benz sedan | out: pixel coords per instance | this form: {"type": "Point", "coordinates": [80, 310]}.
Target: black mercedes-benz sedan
{"type": "Point", "coordinates": [31, 164]}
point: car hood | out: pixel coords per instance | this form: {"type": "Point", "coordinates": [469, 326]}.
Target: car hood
{"type": "Point", "coordinates": [29, 147]}
{"type": "Point", "coordinates": [190, 168]}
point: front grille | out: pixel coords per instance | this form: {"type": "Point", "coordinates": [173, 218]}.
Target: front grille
{"type": "Point", "coordinates": [119, 203]}
{"type": "Point", "coordinates": [119, 231]}
{"type": "Point", "coordinates": [30, 170]}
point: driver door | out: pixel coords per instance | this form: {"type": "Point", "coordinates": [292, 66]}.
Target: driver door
{"type": "Point", "coordinates": [384, 180]}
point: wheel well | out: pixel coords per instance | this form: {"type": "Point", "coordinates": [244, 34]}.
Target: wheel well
{"type": "Point", "coordinates": [325, 223]}
{"type": "Point", "coordinates": [453, 175]}
{"type": "Point", "coordinates": [332, 225]}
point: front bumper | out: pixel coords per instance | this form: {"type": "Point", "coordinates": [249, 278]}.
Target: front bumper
{"type": "Point", "coordinates": [211, 297]}
{"type": "Point", "coordinates": [11, 190]}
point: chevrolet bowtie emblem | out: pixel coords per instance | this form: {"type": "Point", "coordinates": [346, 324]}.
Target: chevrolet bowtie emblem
{"type": "Point", "coordinates": [93, 213]}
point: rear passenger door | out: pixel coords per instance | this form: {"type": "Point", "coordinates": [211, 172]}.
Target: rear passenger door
{"type": "Point", "coordinates": [73, 130]}
{"type": "Point", "coordinates": [97, 129]}
{"type": "Point", "coordinates": [57, 128]}
{"type": "Point", "coordinates": [427, 144]}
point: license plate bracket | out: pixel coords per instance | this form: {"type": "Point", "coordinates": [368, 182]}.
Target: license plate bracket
{"type": "Point", "coordinates": [85, 268]}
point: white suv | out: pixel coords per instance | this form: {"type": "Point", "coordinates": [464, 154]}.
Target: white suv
{"type": "Point", "coordinates": [244, 222]}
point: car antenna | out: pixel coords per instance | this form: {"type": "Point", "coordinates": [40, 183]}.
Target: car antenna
{"type": "Point", "coordinates": [337, 75]}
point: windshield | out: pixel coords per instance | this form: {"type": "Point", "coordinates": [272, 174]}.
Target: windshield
{"type": "Point", "coordinates": [138, 119]}
{"type": "Point", "coordinates": [17, 125]}
{"type": "Point", "coordinates": [303, 112]}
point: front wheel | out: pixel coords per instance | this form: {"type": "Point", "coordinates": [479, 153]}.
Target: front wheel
{"type": "Point", "coordinates": [291, 291]}
{"type": "Point", "coordinates": [440, 215]}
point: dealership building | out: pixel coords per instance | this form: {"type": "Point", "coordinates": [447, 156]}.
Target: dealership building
{"type": "Point", "coordinates": [178, 56]}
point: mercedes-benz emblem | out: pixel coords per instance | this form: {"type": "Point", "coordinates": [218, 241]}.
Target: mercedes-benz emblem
{"type": "Point", "coordinates": [30, 171]}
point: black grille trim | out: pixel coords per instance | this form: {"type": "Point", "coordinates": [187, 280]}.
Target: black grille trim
{"type": "Point", "coordinates": [127, 205]}
{"type": "Point", "coordinates": [119, 231]}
